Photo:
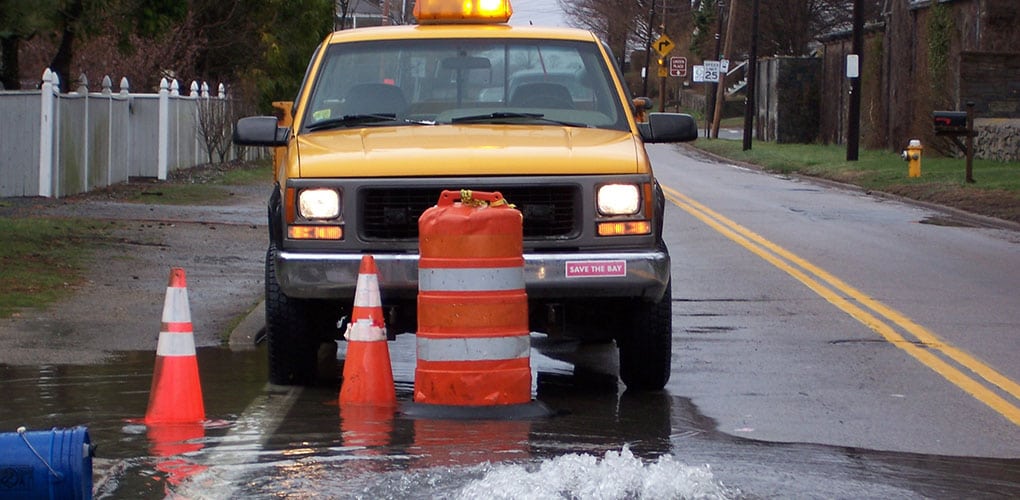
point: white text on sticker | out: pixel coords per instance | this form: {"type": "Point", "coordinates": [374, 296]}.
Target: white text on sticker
{"type": "Point", "coordinates": [596, 268]}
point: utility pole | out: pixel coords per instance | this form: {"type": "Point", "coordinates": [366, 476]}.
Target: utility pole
{"type": "Point", "coordinates": [648, 48]}
{"type": "Point", "coordinates": [710, 91]}
{"type": "Point", "coordinates": [853, 129]}
{"type": "Point", "coordinates": [752, 74]}
{"type": "Point", "coordinates": [662, 81]}
{"type": "Point", "coordinates": [720, 94]}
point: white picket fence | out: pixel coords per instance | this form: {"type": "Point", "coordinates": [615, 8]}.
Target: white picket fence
{"type": "Point", "coordinates": [55, 144]}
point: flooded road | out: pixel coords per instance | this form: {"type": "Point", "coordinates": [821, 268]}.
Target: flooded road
{"type": "Point", "coordinates": [263, 442]}
{"type": "Point", "coordinates": [756, 354]}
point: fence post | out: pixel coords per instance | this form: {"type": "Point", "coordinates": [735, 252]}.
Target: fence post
{"type": "Point", "coordinates": [125, 93]}
{"type": "Point", "coordinates": [164, 130]}
{"type": "Point", "coordinates": [208, 109]}
{"type": "Point", "coordinates": [46, 104]}
{"type": "Point", "coordinates": [107, 93]}
{"type": "Point", "coordinates": [83, 90]}
{"type": "Point", "coordinates": [174, 163]}
{"type": "Point", "coordinates": [225, 108]}
{"type": "Point", "coordinates": [197, 139]}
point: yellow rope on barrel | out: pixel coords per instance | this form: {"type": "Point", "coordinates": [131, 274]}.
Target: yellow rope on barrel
{"type": "Point", "coordinates": [467, 198]}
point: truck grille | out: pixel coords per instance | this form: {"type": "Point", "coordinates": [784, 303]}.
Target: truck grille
{"type": "Point", "coordinates": [392, 213]}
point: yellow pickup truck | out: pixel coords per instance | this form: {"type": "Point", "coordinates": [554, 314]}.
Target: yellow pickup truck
{"type": "Point", "coordinates": [389, 117]}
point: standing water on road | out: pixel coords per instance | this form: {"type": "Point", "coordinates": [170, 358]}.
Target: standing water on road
{"type": "Point", "coordinates": [267, 442]}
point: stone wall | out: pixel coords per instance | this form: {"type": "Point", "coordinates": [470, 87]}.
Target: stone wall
{"type": "Point", "coordinates": [991, 81]}
{"type": "Point", "coordinates": [899, 93]}
{"type": "Point", "coordinates": [998, 139]}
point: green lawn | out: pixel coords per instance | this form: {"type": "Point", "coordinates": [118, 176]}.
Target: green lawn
{"type": "Point", "coordinates": [874, 169]}
{"type": "Point", "coordinates": [41, 260]}
{"type": "Point", "coordinates": [995, 193]}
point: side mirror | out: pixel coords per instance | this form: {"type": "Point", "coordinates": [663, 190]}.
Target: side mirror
{"type": "Point", "coordinates": [669, 127]}
{"type": "Point", "coordinates": [260, 131]}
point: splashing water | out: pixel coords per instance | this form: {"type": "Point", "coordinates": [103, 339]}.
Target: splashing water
{"type": "Point", "coordinates": [617, 475]}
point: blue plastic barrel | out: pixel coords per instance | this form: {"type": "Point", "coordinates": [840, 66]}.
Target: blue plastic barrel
{"type": "Point", "coordinates": [46, 464]}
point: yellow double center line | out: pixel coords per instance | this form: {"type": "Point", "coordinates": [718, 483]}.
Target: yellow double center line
{"type": "Point", "coordinates": [945, 359]}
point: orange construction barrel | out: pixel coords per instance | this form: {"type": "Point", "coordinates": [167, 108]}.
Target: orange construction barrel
{"type": "Point", "coordinates": [473, 338]}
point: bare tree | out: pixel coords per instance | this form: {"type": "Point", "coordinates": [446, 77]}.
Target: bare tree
{"type": "Point", "coordinates": [19, 21]}
{"type": "Point", "coordinates": [214, 125]}
{"type": "Point", "coordinates": [787, 27]}
{"type": "Point", "coordinates": [629, 26]}
{"type": "Point", "coordinates": [169, 54]}
{"type": "Point", "coordinates": [790, 27]}
{"type": "Point", "coordinates": [343, 8]}
{"type": "Point", "coordinates": [618, 22]}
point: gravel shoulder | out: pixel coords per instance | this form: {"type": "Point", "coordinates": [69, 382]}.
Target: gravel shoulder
{"type": "Point", "coordinates": [119, 306]}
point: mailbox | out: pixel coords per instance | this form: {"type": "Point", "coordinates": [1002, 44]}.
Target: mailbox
{"type": "Point", "coordinates": [950, 121]}
{"type": "Point", "coordinates": [954, 124]}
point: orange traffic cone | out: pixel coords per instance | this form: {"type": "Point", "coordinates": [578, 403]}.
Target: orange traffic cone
{"type": "Point", "coordinates": [176, 395]}
{"type": "Point", "coordinates": [368, 377]}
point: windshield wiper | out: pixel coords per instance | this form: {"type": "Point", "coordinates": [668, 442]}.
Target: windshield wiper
{"type": "Point", "coordinates": [350, 120]}
{"type": "Point", "coordinates": [506, 115]}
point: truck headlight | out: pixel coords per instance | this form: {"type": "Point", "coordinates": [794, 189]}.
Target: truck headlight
{"type": "Point", "coordinates": [319, 204]}
{"type": "Point", "coordinates": [618, 199]}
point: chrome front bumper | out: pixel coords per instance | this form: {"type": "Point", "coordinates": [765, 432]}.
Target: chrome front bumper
{"type": "Point", "coordinates": [547, 275]}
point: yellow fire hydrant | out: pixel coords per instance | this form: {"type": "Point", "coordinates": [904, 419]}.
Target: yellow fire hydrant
{"type": "Point", "coordinates": [913, 157]}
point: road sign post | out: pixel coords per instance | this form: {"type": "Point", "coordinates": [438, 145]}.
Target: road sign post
{"type": "Point", "coordinates": [711, 71]}
{"type": "Point", "coordinates": [678, 66]}
{"type": "Point", "coordinates": [663, 45]}
{"type": "Point", "coordinates": [699, 74]}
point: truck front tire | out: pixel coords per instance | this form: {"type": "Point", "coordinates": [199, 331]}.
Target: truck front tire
{"type": "Point", "coordinates": [646, 352]}
{"type": "Point", "coordinates": [292, 346]}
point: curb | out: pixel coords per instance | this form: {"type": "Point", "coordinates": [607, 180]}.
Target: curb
{"type": "Point", "coordinates": [969, 218]}
{"type": "Point", "coordinates": [250, 330]}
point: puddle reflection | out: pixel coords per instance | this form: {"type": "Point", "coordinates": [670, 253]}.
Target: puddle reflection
{"type": "Point", "coordinates": [271, 441]}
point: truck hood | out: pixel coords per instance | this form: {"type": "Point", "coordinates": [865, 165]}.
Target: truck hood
{"type": "Point", "coordinates": [471, 150]}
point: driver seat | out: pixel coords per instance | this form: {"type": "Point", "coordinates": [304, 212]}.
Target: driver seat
{"type": "Point", "coordinates": [542, 95]}
{"type": "Point", "coordinates": [374, 99]}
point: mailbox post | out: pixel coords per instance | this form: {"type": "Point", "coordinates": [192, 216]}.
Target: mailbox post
{"type": "Point", "coordinates": [953, 124]}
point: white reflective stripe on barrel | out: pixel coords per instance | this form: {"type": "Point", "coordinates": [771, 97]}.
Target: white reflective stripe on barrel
{"type": "Point", "coordinates": [474, 349]}
{"type": "Point", "coordinates": [175, 344]}
{"type": "Point", "coordinates": [175, 306]}
{"type": "Point", "coordinates": [475, 279]}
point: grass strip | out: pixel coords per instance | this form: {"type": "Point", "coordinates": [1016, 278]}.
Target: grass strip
{"type": "Point", "coordinates": [996, 192]}
{"type": "Point", "coordinates": [43, 259]}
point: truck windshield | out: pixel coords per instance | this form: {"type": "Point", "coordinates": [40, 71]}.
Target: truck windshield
{"type": "Point", "coordinates": [442, 81]}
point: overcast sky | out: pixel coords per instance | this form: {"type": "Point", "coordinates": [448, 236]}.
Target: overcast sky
{"type": "Point", "coordinates": [537, 12]}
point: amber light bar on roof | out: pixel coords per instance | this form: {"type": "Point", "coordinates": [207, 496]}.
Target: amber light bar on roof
{"type": "Point", "coordinates": [462, 11]}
